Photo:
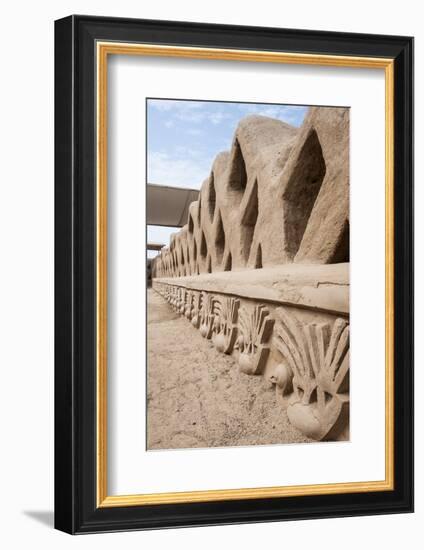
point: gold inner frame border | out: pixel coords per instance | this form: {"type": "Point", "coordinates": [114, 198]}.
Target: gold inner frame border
{"type": "Point", "coordinates": [103, 50]}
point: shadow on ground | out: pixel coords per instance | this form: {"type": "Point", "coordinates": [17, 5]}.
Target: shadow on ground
{"type": "Point", "coordinates": [46, 517]}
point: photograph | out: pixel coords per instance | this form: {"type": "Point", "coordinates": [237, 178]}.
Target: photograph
{"type": "Point", "coordinates": [247, 244]}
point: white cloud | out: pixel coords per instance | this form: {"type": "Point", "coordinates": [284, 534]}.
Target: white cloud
{"type": "Point", "coordinates": [176, 105]}
{"type": "Point", "coordinates": [163, 104]}
{"type": "Point", "coordinates": [182, 151]}
{"type": "Point", "coordinates": [177, 171]}
{"type": "Point", "coordinates": [218, 117]}
{"type": "Point", "coordinates": [292, 114]}
{"type": "Point", "coordinates": [189, 115]}
{"type": "Point", "coordinates": [195, 112]}
{"type": "Point", "coordinates": [195, 131]}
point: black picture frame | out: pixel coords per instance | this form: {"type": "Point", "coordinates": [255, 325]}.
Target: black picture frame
{"type": "Point", "coordinates": [76, 509]}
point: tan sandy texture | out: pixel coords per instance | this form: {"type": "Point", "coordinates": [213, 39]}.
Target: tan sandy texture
{"type": "Point", "coordinates": [198, 398]}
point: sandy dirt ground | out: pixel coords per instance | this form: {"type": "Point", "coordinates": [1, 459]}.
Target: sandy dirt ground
{"type": "Point", "coordinates": [197, 397]}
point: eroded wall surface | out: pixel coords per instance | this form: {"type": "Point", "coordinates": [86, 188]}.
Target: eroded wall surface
{"type": "Point", "coordinates": [261, 267]}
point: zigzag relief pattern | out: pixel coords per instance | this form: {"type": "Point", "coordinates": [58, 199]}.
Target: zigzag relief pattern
{"type": "Point", "coordinates": [307, 361]}
{"type": "Point", "coordinates": [280, 195]}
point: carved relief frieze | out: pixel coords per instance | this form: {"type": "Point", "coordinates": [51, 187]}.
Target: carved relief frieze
{"type": "Point", "coordinates": [196, 308]}
{"type": "Point", "coordinates": [252, 343]}
{"type": "Point", "coordinates": [310, 360]}
{"type": "Point", "coordinates": [225, 323]}
{"type": "Point", "coordinates": [315, 365]}
{"type": "Point", "coordinates": [207, 316]}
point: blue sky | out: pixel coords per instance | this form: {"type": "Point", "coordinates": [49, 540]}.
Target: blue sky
{"type": "Point", "coordinates": [184, 137]}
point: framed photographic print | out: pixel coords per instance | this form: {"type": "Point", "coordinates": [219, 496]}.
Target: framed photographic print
{"type": "Point", "coordinates": [234, 270]}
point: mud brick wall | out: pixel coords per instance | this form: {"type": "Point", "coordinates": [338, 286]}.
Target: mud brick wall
{"type": "Point", "coordinates": [280, 195]}
{"type": "Point", "coordinates": [262, 266]}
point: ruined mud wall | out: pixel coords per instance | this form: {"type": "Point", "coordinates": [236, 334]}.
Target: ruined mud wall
{"type": "Point", "coordinates": [280, 195]}
{"type": "Point", "coordinates": [261, 267]}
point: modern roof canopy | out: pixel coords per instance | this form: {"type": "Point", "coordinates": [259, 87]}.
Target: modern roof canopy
{"type": "Point", "coordinates": [168, 206]}
{"type": "Point", "coordinates": [155, 246]}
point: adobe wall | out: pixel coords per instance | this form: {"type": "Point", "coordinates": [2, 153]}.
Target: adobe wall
{"type": "Point", "coordinates": [261, 267]}
{"type": "Point", "coordinates": [280, 195]}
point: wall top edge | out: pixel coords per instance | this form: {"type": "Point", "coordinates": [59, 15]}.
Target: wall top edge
{"type": "Point", "coordinates": [323, 287]}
